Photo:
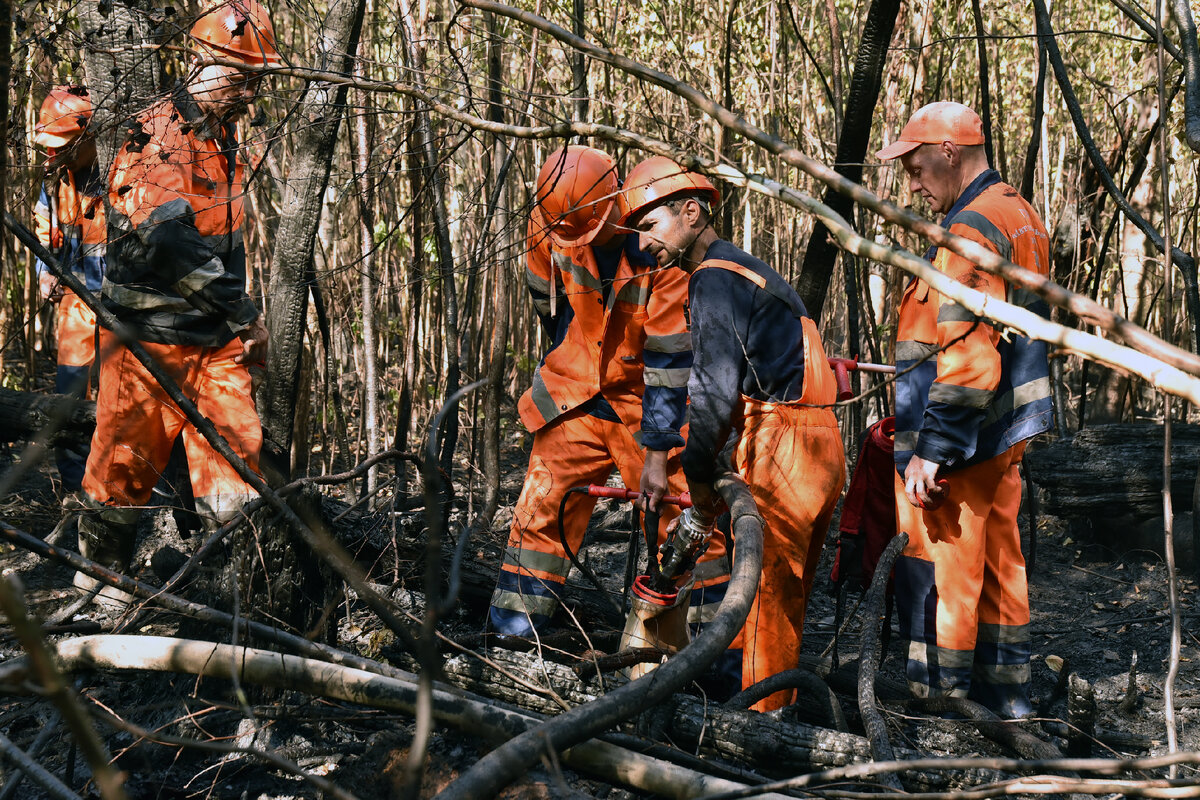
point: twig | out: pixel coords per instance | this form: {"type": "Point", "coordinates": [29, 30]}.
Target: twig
{"type": "Point", "coordinates": [25, 765]}
{"type": "Point", "coordinates": [1038, 784]}
{"type": "Point", "coordinates": [1085, 308]}
{"type": "Point", "coordinates": [41, 661]}
{"type": "Point", "coordinates": [315, 537]}
{"type": "Point", "coordinates": [274, 759]}
{"type": "Point", "coordinates": [467, 712]}
{"type": "Point", "coordinates": [1003, 732]}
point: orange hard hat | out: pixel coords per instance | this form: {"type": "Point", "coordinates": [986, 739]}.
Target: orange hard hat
{"type": "Point", "coordinates": [576, 189]}
{"type": "Point", "coordinates": [64, 116]}
{"type": "Point", "coordinates": [238, 29]}
{"type": "Point", "coordinates": [944, 121]}
{"type": "Point", "coordinates": [657, 179]}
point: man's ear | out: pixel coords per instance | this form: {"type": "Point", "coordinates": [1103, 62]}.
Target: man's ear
{"type": "Point", "coordinates": [952, 152]}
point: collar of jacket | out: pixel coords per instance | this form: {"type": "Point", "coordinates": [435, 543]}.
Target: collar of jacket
{"type": "Point", "coordinates": [989, 177]}
{"type": "Point", "coordinates": [204, 126]}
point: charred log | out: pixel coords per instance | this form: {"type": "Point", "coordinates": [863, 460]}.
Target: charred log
{"type": "Point", "coordinates": [62, 419]}
{"type": "Point", "coordinates": [1111, 475]}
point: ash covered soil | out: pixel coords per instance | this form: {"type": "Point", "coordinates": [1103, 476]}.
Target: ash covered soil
{"type": "Point", "coordinates": [1094, 611]}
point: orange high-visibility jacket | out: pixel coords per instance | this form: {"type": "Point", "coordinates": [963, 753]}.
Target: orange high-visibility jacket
{"type": "Point", "coordinates": [177, 265]}
{"type": "Point", "coordinates": [70, 223]}
{"type": "Point", "coordinates": [627, 343]}
{"type": "Point", "coordinates": [964, 393]}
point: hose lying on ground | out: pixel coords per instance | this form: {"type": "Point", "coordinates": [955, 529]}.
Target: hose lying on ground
{"type": "Point", "coordinates": [504, 764]}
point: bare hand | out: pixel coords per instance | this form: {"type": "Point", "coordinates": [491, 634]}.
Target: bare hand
{"type": "Point", "coordinates": [654, 479]}
{"type": "Point", "coordinates": [254, 344]}
{"type": "Point", "coordinates": [921, 485]}
{"type": "Point", "coordinates": [47, 283]}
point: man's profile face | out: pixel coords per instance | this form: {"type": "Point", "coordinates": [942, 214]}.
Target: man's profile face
{"type": "Point", "coordinates": [223, 91]}
{"type": "Point", "coordinates": [664, 233]}
{"type": "Point", "coordinates": [934, 173]}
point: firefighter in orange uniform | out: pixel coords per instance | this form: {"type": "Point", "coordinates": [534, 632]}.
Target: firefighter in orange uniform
{"type": "Point", "coordinates": [177, 278]}
{"type": "Point", "coordinates": [967, 400]}
{"type": "Point", "coordinates": [612, 386]}
{"type": "Point", "coordinates": [70, 223]}
{"type": "Point", "coordinates": [760, 392]}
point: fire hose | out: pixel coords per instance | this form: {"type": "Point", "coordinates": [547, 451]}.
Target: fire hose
{"type": "Point", "coordinates": [664, 567]}
{"type": "Point", "coordinates": [504, 764]}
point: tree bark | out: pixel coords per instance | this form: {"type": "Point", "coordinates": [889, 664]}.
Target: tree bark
{"type": "Point", "coordinates": [122, 76]}
{"type": "Point", "coordinates": [318, 119]}
{"type": "Point", "coordinates": [1181, 10]}
{"type": "Point", "coordinates": [821, 255]}
{"type": "Point", "coordinates": [282, 577]}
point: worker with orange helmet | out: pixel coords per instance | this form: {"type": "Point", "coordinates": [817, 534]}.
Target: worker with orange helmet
{"type": "Point", "coordinates": [760, 393]}
{"type": "Point", "coordinates": [177, 279]}
{"type": "Point", "coordinates": [967, 401]}
{"type": "Point", "coordinates": [69, 219]}
{"type": "Point", "coordinates": [610, 393]}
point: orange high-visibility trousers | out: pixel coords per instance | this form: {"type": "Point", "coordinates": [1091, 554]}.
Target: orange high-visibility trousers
{"type": "Point", "coordinates": [575, 450]}
{"type": "Point", "coordinates": [76, 332]}
{"type": "Point", "coordinates": [791, 457]}
{"type": "Point", "coordinates": [961, 590]}
{"type": "Point", "coordinates": [76, 335]}
{"type": "Point", "coordinates": [136, 425]}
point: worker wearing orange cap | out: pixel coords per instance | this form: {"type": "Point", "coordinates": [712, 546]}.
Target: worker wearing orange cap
{"type": "Point", "coordinates": [610, 393]}
{"type": "Point", "coordinates": [761, 392]}
{"type": "Point", "coordinates": [967, 400]}
{"type": "Point", "coordinates": [70, 223]}
{"type": "Point", "coordinates": [177, 280]}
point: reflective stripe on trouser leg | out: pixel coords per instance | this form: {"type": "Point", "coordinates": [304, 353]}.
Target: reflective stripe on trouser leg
{"type": "Point", "coordinates": [222, 393]}
{"type": "Point", "coordinates": [961, 591]}
{"type": "Point", "coordinates": [793, 461]}
{"type": "Point", "coordinates": [567, 453]}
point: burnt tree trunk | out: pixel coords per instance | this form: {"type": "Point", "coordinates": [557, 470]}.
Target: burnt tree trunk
{"type": "Point", "coordinates": [821, 255]}
{"type": "Point", "coordinates": [123, 77]}
{"type": "Point", "coordinates": [274, 564]}
{"type": "Point", "coordinates": [429, 164]}
{"type": "Point", "coordinates": [317, 122]}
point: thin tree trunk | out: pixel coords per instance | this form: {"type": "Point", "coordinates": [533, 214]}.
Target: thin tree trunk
{"type": "Point", "coordinates": [366, 200]}
{"type": "Point", "coordinates": [1181, 10]}
{"type": "Point", "coordinates": [430, 166]}
{"type": "Point", "coordinates": [985, 97]}
{"type": "Point", "coordinates": [821, 255]}
{"type": "Point", "coordinates": [318, 119]}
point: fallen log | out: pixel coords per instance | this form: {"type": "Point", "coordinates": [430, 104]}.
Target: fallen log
{"type": "Point", "coordinates": [267, 668]}
{"type": "Point", "coordinates": [1111, 475]}
{"type": "Point", "coordinates": [64, 420]}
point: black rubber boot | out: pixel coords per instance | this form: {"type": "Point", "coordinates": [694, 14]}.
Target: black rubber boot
{"type": "Point", "coordinates": [107, 535]}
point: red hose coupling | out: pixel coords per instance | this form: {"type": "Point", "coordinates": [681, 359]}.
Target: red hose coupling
{"type": "Point", "coordinates": [841, 373]}
{"type": "Point", "coordinates": [641, 588]}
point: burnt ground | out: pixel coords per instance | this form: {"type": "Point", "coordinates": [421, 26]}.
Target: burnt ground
{"type": "Point", "coordinates": [1094, 608]}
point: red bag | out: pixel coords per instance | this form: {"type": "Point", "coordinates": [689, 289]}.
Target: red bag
{"type": "Point", "coordinates": [869, 512]}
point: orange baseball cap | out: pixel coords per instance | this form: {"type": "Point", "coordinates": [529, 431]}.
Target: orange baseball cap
{"type": "Point", "coordinates": [935, 123]}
